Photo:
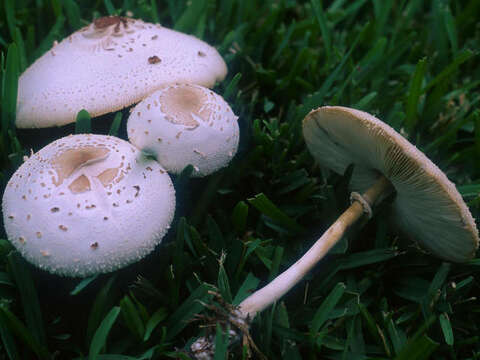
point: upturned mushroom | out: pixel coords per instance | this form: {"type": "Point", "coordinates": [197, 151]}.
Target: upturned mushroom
{"type": "Point", "coordinates": [426, 204]}
{"type": "Point", "coordinates": [87, 204]}
{"type": "Point", "coordinates": [185, 124]}
{"type": "Point", "coordinates": [111, 64]}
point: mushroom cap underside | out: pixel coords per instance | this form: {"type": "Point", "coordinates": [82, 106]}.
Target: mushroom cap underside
{"type": "Point", "coordinates": [427, 205]}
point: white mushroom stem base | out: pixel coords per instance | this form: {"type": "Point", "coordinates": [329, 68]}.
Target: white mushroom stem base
{"type": "Point", "coordinates": [204, 348]}
{"type": "Point", "coordinates": [278, 287]}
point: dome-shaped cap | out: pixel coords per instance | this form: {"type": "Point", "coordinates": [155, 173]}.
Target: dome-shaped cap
{"type": "Point", "coordinates": [87, 204]}
{"type": "Point", "coordinates": [427, 205]}
{"type": "Point", "coordinates": [185, 124]}
{"type": "Point", "coordinates": [110, 64]}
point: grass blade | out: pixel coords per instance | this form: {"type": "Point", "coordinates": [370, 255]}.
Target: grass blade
{"type": "Point", "coordinates": [222, 281]}
{"type": "Point", "coordinates": [7, 339]}
{"type": "Point", "coordinates": [99, 308]}
{"type": "Point", "coordinates": [249, 284]}
{"type": "Point", "coordinates": [157, 317]}
{"type": "Point", "coordinates": [54, 34]}
{"type": "Point", "coordinates": [322, 22]}
{"type": "Point", "coordinates": [368, 257]}
{"type": "Point", "coordinates": [414, 93]}
{"type": "Point", "coordinates": [110, 8]}
{"type": "Point", "coordinates": [451, 29]}
{"type": "Point", "coordinates": [28, 295]}
{"type": "Point", "coordinates": [267, 207]}
{"type": "Point", "coordinates": [83, 284]}
{"type": "Point", "coordinates": [132, 317]}
{"type": "Point", "coordinates": [117, 121]}
{"type": "Point", "coordinates": [449, 69]}
{"type": "Point", "coordinates": [72, 11]}
{"type": "Point", "coordinates": [187, 310]}
{"type": "Point", "coordinates": [221, 343]}
{"type": "Point", "coordinates": [83, 123]}
{"type": "Point", "coordinates": [321, 315]}
{"type": "Point", "coordinates": [419, 349]}
{"type": "Point", "coordinates": [232, 87]}
{"type": "Point", "coordinates": [9, 100]}
{"type": "Point", "coordinates": [317, 98]}
{"type": "Point", "coordinates": [100, 336]}
{"type": "Point", "coordinates": [22, 333]}
{"type": "Point", "coordinates": [239, 217]}
{"type": "Point", "coordinates": [446, 328]}
{"type": "Point", "coordinates": [9, 8]}
{"type": "Point", "coordinates": [190, 17]}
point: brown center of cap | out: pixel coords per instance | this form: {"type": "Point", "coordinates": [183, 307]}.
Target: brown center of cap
{"type": "Point", "coordinates": [180, 103]}
{"type": "Point", "coordinates": [70, 160]}
{"type": "Point", "coordinates": [106, 21]}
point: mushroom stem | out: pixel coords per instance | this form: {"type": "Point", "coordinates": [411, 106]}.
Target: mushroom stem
{"type": "Point", "coordinates": [270, 293]}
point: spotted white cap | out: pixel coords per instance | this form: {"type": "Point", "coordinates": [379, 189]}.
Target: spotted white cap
{"type": "Point", "coordinates": [427, 205]}
{"type": "Point", "coordinates": [87, 204]}
{"type": "Point", "coordinates": [110, 64]}
{"type": "Point", "coordinates": [185, 124]}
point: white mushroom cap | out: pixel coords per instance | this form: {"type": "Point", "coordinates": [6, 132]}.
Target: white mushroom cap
{"type": "Point", "coordinates": [87, 204]}
{"type": "Point", "coordinates": [185, 124]}
{"type": "Point", "coordinates": [110, 64]}
{"type": "Point", "coordinates": [427, 205]}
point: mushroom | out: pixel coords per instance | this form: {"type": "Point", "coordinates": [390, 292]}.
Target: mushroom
{"type": "Point", "coordinates": [426, 204]}
{"type": "Point", "coordinates": [108, 65]}
{"type": "Point", "coordinates": [87, 204]}
{"type": "Point", "coordinates": [185, 124]}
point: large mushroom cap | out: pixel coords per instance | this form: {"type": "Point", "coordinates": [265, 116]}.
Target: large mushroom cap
{"type": "Point", "coordinates": [110, 64]}
{"type": "Point", "coordinates": [185, 124]}
{"type": "Point", "coordinates": [427, 205]}
{"type": "Point", "coordinates": [87, 204]}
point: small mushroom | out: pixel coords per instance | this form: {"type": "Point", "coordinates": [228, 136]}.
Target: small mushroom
{"type": "Point", "coordinates": [108, 65]}
{"type": "Point", "coordinates": [426, 204]}
{"type": "Point", "coordinates": [73, 219]}
{"type": "Point", "coordinates": [185, 124]}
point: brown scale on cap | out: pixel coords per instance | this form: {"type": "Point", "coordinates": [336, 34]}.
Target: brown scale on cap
{"type": "Point", "coordinates": [137, 190]}
{"type": "Point", "coordinates": [154, 59]}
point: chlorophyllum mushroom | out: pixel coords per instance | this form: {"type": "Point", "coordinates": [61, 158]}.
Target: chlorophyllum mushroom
{"type": "Point", "coordinates": [108, 65]}
{"type": "Point", "coordinates": [87, 204]}
{"type": "Point", "coordinates": [426, 204]}
{"type": "Point", "coordinates": [185, 124]}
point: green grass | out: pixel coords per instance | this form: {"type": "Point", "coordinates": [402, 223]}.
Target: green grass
{"type": "Point", "coordinates": [413, 63]}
